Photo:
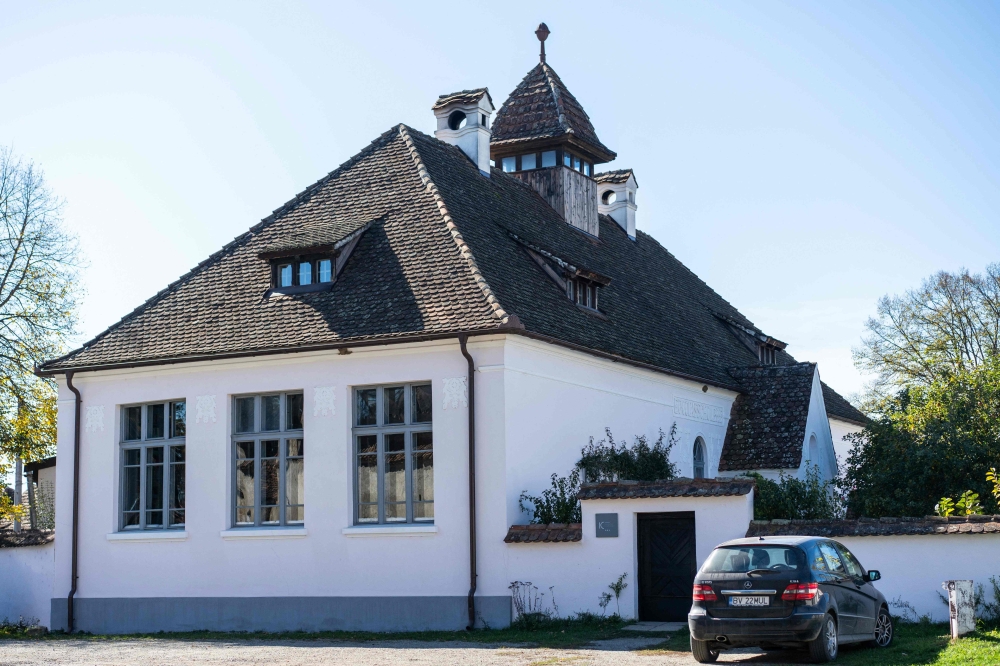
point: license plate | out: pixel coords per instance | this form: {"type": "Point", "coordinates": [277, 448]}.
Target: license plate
{"type": "Point", "coordinates": [749, 601]}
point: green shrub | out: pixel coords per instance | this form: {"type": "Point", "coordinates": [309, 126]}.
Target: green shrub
{"type": "Point", "coordinates": [607, 461]}
{"type": "Point", "coordinates": [558, 504]}
{"type": "Point", "coordinates": [792, 498]}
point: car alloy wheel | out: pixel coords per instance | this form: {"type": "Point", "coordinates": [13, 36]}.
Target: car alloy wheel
{"type": "Point", "coordinates": [883, 629]}
{"type": "Point", "coordinates": [830, 638]}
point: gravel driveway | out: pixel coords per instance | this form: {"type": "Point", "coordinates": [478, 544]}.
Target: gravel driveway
{"type": "Point", "coordinates": [623, 651]}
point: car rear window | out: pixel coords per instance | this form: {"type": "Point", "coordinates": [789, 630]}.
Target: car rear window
{"type": "Point", "coordinates": [740, 559]}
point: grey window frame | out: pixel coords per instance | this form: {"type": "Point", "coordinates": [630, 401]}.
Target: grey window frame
{"type": "Point", "coordinates": [699, 445]}
{"type": "Point", "coordinates": [167, 442]}
{"type": "Point", "coordinates": [282, 434]}
{"type": "Point", "coordinates": [409, 428]}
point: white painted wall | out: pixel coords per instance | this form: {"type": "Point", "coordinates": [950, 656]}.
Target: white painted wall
{"type": "Point", "coordinates": [26, 583]}
{"type": "Point", "coordinates": [325, 562]}
{"type": "Point", "coordinates": [581, 571]}
{"type": "Point", "coordinates": [913, 567]}
{"type": "Point", "coordinates": [840, 429]}
{"type": "Point", "coordinates": [537, 406]}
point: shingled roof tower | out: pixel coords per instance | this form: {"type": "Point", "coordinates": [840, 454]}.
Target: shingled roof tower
{"type": "Point", "coordinates": [543, 136]}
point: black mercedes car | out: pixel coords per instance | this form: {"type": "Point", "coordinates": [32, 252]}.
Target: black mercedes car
{"type": "Point", "coordinates": [782, 593]}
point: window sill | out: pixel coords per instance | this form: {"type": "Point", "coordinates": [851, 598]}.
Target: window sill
{"type": "Point", "coordinates": [264, 533]}
{"type": "Point", "coordinates": [390, 531]}
{"type": "Point", "coordinates": [148, 536]}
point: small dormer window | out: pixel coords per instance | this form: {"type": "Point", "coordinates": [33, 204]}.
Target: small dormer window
{"type": "Point", "coordinates": [308, 272]}
{"type": "Point", "coordinates": [325, 270]}
{"type": "Point", "coordinates": [582, 292]}
{"type": "Point", "coordinates": [765, 353]}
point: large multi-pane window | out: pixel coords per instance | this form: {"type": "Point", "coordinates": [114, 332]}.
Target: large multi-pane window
{"type": "Point", "coordinates": [268, 459]}
{"type": "Point", "coordinates": [394, 454]}
{"type": "Point", "coordinates": [153, 459]}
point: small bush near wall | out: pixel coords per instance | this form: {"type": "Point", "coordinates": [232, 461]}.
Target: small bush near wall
{"type": "Point", "coordinates": [602, 461]}
{"type": "Point", "coordinates": [557, 504]}
{"type": "Point", "coordinates": [792, 498]}
{"type": "Point", "coordinates": [607, 461]}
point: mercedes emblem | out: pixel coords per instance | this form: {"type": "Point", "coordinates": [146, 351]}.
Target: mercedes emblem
{"type": "Point", "coordinates": [747, 585]}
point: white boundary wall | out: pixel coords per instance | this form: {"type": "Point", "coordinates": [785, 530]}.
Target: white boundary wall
{"type": "Point", "coordinates": [913, 567]}
{"type": "Point", "coordinates": [581, 571]}
{"type": "Point", "coordinates": [26, 582]}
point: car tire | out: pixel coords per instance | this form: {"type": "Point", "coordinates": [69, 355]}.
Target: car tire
{"type": "Point", "coordinates": [825, 646]}
{"type": "Point", "coordinates": [702, 653]}
{"type": "Point", "coordinates": [884, 631]}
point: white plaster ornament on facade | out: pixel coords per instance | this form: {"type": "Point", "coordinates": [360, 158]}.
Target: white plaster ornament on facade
{"type": "Point", "coordinates": [204, 409]}
{"type": "Point", "coordinates": [456, 394]}
{"type": "Point", "coordinates": [95, 418]}
{"type": "Point", "coordinates": [324, 401]}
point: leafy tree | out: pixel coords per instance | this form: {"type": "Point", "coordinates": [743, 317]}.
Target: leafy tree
{"type": "Point", "coordinates": [557, 504]}
{"type": "Point", "coordinates": [792, 498]}
{"type": "Point", "coordinates": [607, 461]}
{"type": "Point", "coordinates": [949, 325]}
{"type": "Point", "coordinates": [38, 298]}
{"type": "Point", "coordinates": [929, 442]}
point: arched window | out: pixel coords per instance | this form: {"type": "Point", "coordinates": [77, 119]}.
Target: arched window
{"type": "Point", "coordinates": [699, 458]}
{"type": "Point", "coordinates": [814, 451]}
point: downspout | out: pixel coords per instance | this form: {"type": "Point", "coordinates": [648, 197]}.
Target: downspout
{"type": "Point", "coordinates": [462, 340]}
{"type": "Point", "coordinates": [76, 499]}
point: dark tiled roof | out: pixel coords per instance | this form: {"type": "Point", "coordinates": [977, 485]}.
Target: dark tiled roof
{"type": "Point", "coordinates": [27, 537]}
{"type": "Point", "coordinates": [462, 97]}
{"type": "Point", "coordinates": [551, 533]}
{"type": "Point", "coordinates": [876, 526]}
{"type": "Point", "coordinates": [767, 426]}
{"type": "Point", "coordinates": [617, 176]}
{"type": "Point", "coordinates": [838, 408]}
{"type": "Point", "coordinates": [444, 253]}
{"type": "Point", "coordinates": [541, 107]}
{"type": "Point", "coordinates": [682, 487]}
{"type": "Point", "coordinates": [408, 274]}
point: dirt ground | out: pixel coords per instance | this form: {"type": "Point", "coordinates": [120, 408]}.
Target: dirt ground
{"type": "Point", "coordinates": [624, 652]}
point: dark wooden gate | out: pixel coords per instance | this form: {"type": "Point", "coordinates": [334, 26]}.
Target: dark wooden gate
{"type": "Point", "coordinates": [667, 565]}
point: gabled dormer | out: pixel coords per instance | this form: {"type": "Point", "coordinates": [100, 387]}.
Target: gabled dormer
{"type": "Point", "coordinates": [580, 285]}
{"type": "Point", "coordinates": [764, 346]}
{"type": "Point", "coordinates": [299, 268]}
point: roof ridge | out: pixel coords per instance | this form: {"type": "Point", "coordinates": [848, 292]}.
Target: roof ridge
{"type": "Point", "coordinates": [246, 235]}
{"type": "Point", "coordinates": [463, 247]}
{"type": "Point", "coordinates": [556, 96]}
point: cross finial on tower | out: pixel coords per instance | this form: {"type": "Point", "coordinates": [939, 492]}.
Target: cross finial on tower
{"type": "Point", "coordinates": [542, 33]}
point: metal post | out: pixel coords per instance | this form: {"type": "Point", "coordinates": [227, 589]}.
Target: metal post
{"type": "Point", "coordinates": [17, 490]}
{"type": "Point", "coordinates": [32, 505]}
{"type": "Point", "coordinates": [961, 607]}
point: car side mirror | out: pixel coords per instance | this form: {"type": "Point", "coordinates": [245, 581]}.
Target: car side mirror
{"type": "Point", "coordinates": [874, 575]}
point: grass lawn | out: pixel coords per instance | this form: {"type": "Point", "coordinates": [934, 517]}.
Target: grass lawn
{"type": "Point", "coordinates": [914, 644]}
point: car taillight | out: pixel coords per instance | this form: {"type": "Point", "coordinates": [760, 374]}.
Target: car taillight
{"type": "Point", "coordinates": [703, 593]}
{"type": "Point", "coordinates": [801, 592]}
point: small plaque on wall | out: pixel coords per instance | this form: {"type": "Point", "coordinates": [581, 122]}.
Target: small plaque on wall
{"type": "Point", "coordinates": [607, 525]}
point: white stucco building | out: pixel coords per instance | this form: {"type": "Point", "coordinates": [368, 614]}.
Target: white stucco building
{"type": "Point", "coordinates": [327, 424]}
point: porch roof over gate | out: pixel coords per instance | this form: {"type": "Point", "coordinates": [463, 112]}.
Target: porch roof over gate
{"type": "Point", "coordinates": [682, 487]}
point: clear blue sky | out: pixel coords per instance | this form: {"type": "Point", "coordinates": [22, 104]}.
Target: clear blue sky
{"type": "Point", "coordinates": [802, 158]}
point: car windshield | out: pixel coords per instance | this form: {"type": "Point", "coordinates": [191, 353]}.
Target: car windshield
{"type": "Point", "coordinates": [740, 559]}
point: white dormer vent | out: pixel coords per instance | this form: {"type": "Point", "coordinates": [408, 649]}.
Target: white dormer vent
{"type": "Point", "coordinates": [463, 120]}
{"type": "Point", "coordinates": [616, 197]}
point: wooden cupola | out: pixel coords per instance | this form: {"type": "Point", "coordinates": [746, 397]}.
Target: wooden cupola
{"type": "Point", "coordinates": [543, 136]}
